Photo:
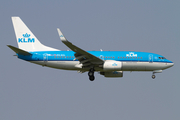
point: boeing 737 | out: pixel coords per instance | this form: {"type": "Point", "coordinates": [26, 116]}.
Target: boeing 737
{"type": "Point", "coordinates": [107, 63]}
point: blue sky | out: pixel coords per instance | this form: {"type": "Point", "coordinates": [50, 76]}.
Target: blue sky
{"type": "Point", "coordinates": [29, 91]}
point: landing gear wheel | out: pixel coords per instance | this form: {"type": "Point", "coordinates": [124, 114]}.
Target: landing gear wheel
{"type": "Point", "coordinates": [91, 78]}
{"type": "Point", "coordinates": [91, 74]}
{"type": "Point", "coordinates": [153, 76]}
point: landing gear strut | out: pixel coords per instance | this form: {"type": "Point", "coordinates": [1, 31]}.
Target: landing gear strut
{"type": "Point", "coordinates": [91, 74]}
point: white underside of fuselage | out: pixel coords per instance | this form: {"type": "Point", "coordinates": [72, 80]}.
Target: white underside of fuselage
{"type": "Point", "coordinates": [126, 66]}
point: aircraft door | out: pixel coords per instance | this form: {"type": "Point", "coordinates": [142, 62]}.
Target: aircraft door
{"type": "Point", "coordinates": [45, 58]}
{"type": "Point", "coordinates": [150, 58]}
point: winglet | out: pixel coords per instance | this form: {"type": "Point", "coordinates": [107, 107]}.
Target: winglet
{"type": "Point", "coordinates": [63, 39]}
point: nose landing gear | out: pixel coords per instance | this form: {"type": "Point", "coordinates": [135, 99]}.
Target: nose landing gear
{"type": "Point", "coordinates": [153, 76]}
{"type": "Point", "coordinates": [156, 71]}
{"type": "Point", "coordinates": [91, 74]}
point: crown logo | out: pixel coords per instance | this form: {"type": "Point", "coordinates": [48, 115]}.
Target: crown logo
{"type": "Point", "coordinates": [26, 35]}
{"type": "Point", "coordinates": [114, 64]}
{"type": "Point", "coordinates": [131, 54]}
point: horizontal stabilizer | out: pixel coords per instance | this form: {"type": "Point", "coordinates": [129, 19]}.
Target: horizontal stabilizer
{"type": "Point", "coordinates": [19, 51]}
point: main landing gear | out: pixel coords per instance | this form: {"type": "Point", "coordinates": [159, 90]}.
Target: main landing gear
{"type": "Point", "coordinates": [91, 74]}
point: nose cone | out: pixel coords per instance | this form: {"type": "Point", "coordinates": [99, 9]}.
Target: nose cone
{"type": "Point", "coordinates": [170, 64]}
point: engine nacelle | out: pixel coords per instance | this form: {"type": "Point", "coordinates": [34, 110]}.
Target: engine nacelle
{"type": "Point", "coordinates": [112, 74]}
{"type": "Point", "coordinates": [111, 65]}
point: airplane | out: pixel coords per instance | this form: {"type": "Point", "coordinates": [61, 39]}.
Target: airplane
{"type": "Point", "coordinates": [107, 63]}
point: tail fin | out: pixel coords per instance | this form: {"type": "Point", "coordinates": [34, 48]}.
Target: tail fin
{"type": "Point", "coordinates": [26, 39]}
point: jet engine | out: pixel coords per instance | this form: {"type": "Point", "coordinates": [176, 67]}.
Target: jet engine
{"type": "Point", "coordinates": [111, 65]}
{"type": "Point", "coordinates": [112, 74]}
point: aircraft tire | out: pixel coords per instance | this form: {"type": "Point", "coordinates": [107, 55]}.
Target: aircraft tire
{"type": "Point", "coordinates": [91, 74]}
{"type": "Point", "coordinates": [153, 76]}
{"type": "Point", "coordinates": [91, 78]}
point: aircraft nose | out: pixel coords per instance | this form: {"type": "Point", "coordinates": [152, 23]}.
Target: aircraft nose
{"type": "Point", "coordinates": [170, 64]}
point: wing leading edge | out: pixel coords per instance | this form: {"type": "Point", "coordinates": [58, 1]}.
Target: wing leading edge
{"type": "Point", "coordinates": [85, 58]}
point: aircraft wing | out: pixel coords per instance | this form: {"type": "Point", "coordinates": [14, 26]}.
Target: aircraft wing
{"type": "Point", "coordinates": [84, 57]}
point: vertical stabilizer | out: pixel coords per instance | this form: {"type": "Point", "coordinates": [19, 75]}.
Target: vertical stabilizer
{"type": "Point", "coordinates": [26, 39]}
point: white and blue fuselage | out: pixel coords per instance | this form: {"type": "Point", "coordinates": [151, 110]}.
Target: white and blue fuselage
{"type": "Point", "coordinates": [108, 63]}
{"type": "Point", "coordinates": [131, 61]}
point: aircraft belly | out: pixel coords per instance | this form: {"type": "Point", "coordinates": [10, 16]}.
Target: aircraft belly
{"type": "Point", "coordinates": [67, 65]}
{"type": "Point", "coordinates": [142, 66]}
{"type": "Point", "coordinates": [133, 66]}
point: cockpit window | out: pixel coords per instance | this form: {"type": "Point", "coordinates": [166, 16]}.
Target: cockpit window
{"type": "Point", "coordinates": [162, 58]}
